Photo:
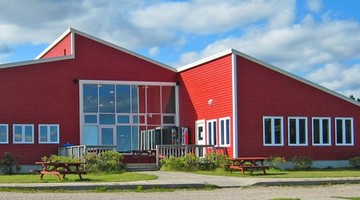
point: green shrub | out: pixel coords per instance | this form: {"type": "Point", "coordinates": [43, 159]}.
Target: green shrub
{"type": "Point", "coordinates": [301, 162]}
{"type": "Point", "coordinates": [277, 161]}
{"type": "Point", "coordinates": [8, 165]}
{"type": "Point", "coordinates": [191, 162]}
{"type": "Point", "coordinates": [355, 162]}
{"type": "Point", "coordinates": [108, 161]}
{"type": "Point", "coordinates": [60, 159]}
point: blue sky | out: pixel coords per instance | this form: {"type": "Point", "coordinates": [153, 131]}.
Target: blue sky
{"type": "Point", "coordinates": [315, 39]}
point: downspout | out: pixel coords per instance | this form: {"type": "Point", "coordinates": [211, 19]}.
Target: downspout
{"type": "Point", "coordinates": [234, 106]}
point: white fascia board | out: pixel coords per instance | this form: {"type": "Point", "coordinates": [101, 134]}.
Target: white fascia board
{"type": "Point", "coordinates": [123, 50]}
{"type": "Point", "coordinates": [32, 62]}
{"type": "Point", "coordinates": [204, 60]}
{"type": "Point", "coordinates": [62, 36]}
{"type": "Point", "coordinates": [298, 78]}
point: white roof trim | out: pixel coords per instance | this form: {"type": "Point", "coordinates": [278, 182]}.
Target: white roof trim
{"type": "Point", "coordinates": [269, 66]}
{"type": "Point", "coordinates": [204, 60]}
{"type": "Point", "coordinates": [62, 36]}
{"type": "Point", "coordinates": [32, 62]}
{"type": "Point", "coordinates": [123, 49]}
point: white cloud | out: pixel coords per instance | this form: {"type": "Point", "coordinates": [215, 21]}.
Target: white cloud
{"type": "Point", "coordinates": [153, 51]}
{"type": "Point", "coordinates": [314, 5]}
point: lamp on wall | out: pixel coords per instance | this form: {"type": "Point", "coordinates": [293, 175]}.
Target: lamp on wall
{"type": "Point", "coordinates": [210, 102]}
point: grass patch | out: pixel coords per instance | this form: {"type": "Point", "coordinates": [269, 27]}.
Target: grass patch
{"type": "Point", "coordinates": [275, 173]}
{"type": "Point", "coordinates": [91, 177]}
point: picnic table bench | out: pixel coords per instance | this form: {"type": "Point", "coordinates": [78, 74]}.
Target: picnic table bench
{"type": "Point", "coordinates": [248, 163]}
{"type": "Point", "coordinates": [60, 168]}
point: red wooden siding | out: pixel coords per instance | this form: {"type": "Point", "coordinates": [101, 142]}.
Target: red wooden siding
{"type": "Point", "coordinates": [264, 92]}
{"type": "Point", "coordinates": [210, 80]}
{"type": "Point", "coordinates": [48, 93]}
{"type": "Point", "coordinates": [62, 48]}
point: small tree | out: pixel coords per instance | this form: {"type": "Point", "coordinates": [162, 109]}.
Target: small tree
{"type": "Point", "coordinates": [8, 165]}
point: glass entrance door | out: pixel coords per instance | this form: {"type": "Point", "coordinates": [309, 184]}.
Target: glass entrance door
{"type": "Point", "coordinates": [107, 134]}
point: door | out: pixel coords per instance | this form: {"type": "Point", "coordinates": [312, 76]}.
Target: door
{"type": "Point", "coordinates": [200, 136]}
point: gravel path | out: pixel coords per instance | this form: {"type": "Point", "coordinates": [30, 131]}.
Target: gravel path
{"type": "Point", "coordinates": [310, 192]}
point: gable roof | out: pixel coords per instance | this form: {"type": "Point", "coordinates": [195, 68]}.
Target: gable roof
{"type": "Point", "coordinates": [269, 66]}
{"type": "Point", "coordinates": [73, 31]}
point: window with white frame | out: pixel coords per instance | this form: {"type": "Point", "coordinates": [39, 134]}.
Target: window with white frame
{"type": "Point", "coordinates": [23, 133]}
{"type": "Point", "coordinates": [321, 131]}
{"type": "Point", "coordinates": [273, 131]}
{"type": "Point", "coordinates": [49, 133]}
{"type": "Point", "coordinates": [298, 131]}
{"type": "Point", "coordinates": [4, 134]}
{"type": "Point", "coordinates": [224, 131]}
{"type": "Point", "coordinates": [344, 131]}
{"type": "Point", "coordinates": [211, 130]}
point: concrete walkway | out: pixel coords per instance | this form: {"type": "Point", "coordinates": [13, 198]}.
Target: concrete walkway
{"type": "Point", "coordinates": [186, 180]}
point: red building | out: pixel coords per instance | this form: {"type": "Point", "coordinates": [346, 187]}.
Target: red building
{"type": "Point", "coordinates": [83, 90]}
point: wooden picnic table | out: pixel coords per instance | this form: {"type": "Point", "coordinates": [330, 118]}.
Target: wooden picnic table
{"type": "Point", "coordinates": [60, 168]}
{"type": "Point", "coordinates": [248, 163]}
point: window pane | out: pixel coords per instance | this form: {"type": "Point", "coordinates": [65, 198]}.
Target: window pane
{"type": "Point", "coordinates": [43, 134]}
{"type": "Point", "coordinates": [28, 134]}
{"type": "Point", "coordinates": [302, 131]}
{"type": "Point", "coordinates": [54, 132]}
{"type": "Point", "coordinates": [107, 136]}
{"type": "Point", "coordinates": [153, 99]}
{"type": "Point", "coordinates": [134, 99]}
{"type": "Point", "coordinates": [316, 128]}
{"type": "Point", "coordinates": [123, 138]}
{"type": "Point", "coordinates": [90, 135]}
{"type": "Point", "coordinates": [107, 119]}
{"type": "Point", "coordinates": [227, 131]}
{"type": "Point", "coordinates": [90, 98]}
{"type": "Point", "coordinates": [91, 119]}
{"type": "Point", "coordinates": [107, 98]}
{"type": "Point", "coordinates": [168, 99]}
{"type": "Point", "coordinates": [348, 131]}
{"type": "Point", "coordinates": [18, 134]}
{"type": "Point", "coordinates": [222, 132]}
{"type": "Point", "coordinates": [267, 130]}
{"type": "Point", "coordinates": [169, 119]}
{"type": "Point", "coordinates": [339, 131]}
{"type": "Point", "coordinates": [123, 119]}
{"type": "Point", "coordinates": [135, 138]}
{"type": "Point", "coordinates": [278, 127]}
{"type": "Point", "coordinates": [3, 134]}
{"type": "Point", "coordinates": [123, 99]}
{"type": "Point", "coordinates": [292, 129]}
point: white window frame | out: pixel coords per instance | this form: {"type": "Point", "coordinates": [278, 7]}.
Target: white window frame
{"type": "Point", "coordinates": [211, 134]}
{"type": "Point", "coordinates": [343, 119]}
{"type": "Point", "coordinates": [48, 126]}
{"type": "Point", "coordinates": [23, 133]}
{"type": "Point", "coordinates": [7, 134]}
{"type": "Point", "coordinates": [223, 132]}
{"type": "Point", "coordinates": [272, 118]}
{"type": "Point", "coordinates": [321, 143]}
{"type": "Point", "coordinates": [297, 134]}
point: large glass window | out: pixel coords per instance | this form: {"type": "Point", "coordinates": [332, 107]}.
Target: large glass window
{"type": "Point", "coordinates": [344, 131]}
{"type": "Point", "coordinates": [23, 133]}
{"type": "Point", "coordinates": [49, 133]}
{"type": "Point", "coordinates": [119, 113]}
{"type": "Point", "coordinates": [225, 131]}
{"type": "Point", "coordinates": [298, 131]}
{"type": "Point", "coordinates": [273, 131]}
{"type": "Point", "coordinates": [4, 134]}
{"type": "Point", "coordinates": [321, 131]}
{"type": "Point", "coordinates": [211, 130]}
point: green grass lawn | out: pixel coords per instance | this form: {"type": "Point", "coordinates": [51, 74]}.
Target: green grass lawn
{"type": "Point", "coordinates": [91, 177]}
{"type": "Point", "coordinates": [274, 173]}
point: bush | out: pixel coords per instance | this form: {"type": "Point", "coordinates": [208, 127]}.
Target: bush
{"type": "Point", "coordinates": [277, 161]}
{"type": "Point", "coordinates": [302, 162]}
{"type": "Point", "coordinates": [59, 159]}
{"type": "Point", "coordinates": [8, 165]}
{"type": "Point", "coordinates": [108, 161]}
{"type": "Point", "coordinates": [355, 162]}
{"type": "Point", "coordinates": [191, 162]}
